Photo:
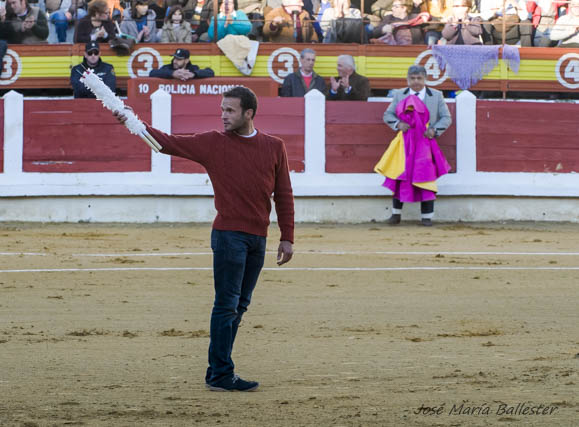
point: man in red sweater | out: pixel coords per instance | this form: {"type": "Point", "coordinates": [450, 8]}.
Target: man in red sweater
{"type": "Point", "coordinates": [246, 167]}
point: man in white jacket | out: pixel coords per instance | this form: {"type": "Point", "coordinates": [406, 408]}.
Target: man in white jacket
{"type": "Point", "coordinates": [566, 29]}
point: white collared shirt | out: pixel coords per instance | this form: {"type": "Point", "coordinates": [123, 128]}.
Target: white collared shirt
{"type": "Point", "coordinates": [421, 94]}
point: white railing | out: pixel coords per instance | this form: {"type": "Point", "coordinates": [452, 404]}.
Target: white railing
{"type": "Point", "coordinates": [314, 181]}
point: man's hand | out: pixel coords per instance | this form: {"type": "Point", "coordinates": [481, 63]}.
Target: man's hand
{"type": "Point", "coordinates": [28, 23]}
{"type": "Point", "coordinates": [2, 14]}
{"type": "Point", "coordinates": [403, 126]}
{"type": "Point", "coordinates": [183, 74]}
{"type": "Point", "coordinates": [120, 116]}
{"type": "Point", "coordinates": [345, 82]}
{"type": "Point", "coordinates": [335, 84]}
{"type": "Point", "coordinates": [285, 252]}
{"type": "Point", "coordinates": [430, 133]}
{"type": "Point", "coordinates": [101, 33]}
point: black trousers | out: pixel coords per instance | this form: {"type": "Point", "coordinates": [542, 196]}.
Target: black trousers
{"type": "Point", "coordinates": [425, 207]}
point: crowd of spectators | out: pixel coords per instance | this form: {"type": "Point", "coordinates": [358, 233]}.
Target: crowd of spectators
{"type": "Point", "coordinates": [538, 23]}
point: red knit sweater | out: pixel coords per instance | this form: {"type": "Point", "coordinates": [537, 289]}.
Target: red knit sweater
{"type": "Point", "coordinates": [244, 173]}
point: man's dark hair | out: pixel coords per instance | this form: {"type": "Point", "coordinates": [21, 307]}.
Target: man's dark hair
{"type": "Point", "coordinates": [247, 98]}
{"type": "Point", "coordinates": [416, 69]}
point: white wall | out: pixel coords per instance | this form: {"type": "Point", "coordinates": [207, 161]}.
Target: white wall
{"type": "Point", "coordinates": [160, 195]}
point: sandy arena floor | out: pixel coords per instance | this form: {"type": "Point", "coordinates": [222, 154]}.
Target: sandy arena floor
{"type": "Point", "coordinates": [458, 325]}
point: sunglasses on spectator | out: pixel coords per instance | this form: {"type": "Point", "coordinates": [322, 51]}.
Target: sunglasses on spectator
{"type": "Point", "coordinates": [93, 53]}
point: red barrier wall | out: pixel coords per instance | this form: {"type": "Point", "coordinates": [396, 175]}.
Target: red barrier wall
{"type": "Point", "coordinates": [355, 142]}
{"type": "Point", "coordinates": [80, 136]}
{"type": "Point", "coordinates": [282, 117]}
{"type": "Point", "coordinates": [1, 135]}
{"type": "Point", "coordinates": [527, 137]}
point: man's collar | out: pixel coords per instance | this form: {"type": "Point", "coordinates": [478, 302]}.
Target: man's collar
{"type": "Point", "coordinates": [425, 89]}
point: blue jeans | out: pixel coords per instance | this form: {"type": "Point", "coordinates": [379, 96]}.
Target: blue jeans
{"type": "Point", "coordinates": [237, 261]}
{"type": "Point", "coordinates": [60, 22]}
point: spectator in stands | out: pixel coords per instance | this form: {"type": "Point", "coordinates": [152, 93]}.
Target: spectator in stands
{"type": "Point", "coordinates": [116, 10]}
{"type": "Point", "coordinates": [400, 28]}
{"type": "Point", "coordinates": [229, 21]}
{"type": "Point", "coordinates": [440, 120]}
{"type": "Point", "coordinates": [381, 8]}
{"type": "Point", "coordinates": [289, 23]}
{"type": "Point", "coordinates": [517, 24]}
{"type": "Point", "coordinates": [200, 21]}
{"type": "Point", "coordinates": [566, 29]}
{"type": "Point", "coordinates": [349, 85]}
{"type": "Point", "coordinates": [63, 13]}
{"type": "Point", "coordinates": [544, 14]}
{"type": "Point", "coordinates": [139, 22]}
{"type": "Point", "coordinates": [304, 79]}
{"type": "Point", "coordinates": [176, 29]}
{"type": "Point", "coordinates": [350, 31]}
{"type": "Point", "coordinates": [188, 7]}
{"type": "Point", "coordinates": [181, 68]}
{"type": "Point", "coordinates": [461, 28]}
{"type": "Point", "coordinates": [29, 24]}
{"type": "Point", "coordinates": [92, 61]}
{"type": "Point", "coordinates": [271, 5]}
{"type": "Point", "coordinates": [161, 9]}
{"type": "Point", "coordinates": [96, 25]}
{"type": "Point", "coordinates": [439, 11]}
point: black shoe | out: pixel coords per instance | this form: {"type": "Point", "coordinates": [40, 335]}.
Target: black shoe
{"type": "Point", "coordinates": [394, 219]}
{"type": "Point", "coordinates": [233, 384]}
{"type": "Point", "coordinates": [427, 222]}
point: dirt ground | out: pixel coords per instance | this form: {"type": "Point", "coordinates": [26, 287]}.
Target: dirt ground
{"type": "Point", "coordinates": [369, 325]}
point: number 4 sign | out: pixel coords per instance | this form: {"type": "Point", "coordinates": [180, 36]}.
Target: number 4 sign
{"type": "Point", "coordinates": [434, 76]}
{"type": "Point", "coordinates": [567, 70]}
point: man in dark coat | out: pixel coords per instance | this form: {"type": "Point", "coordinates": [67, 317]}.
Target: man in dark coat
{"type": "Point", "coordinates": [181, 68]}
{"type": "Point", "coordinates": [300, 82]}
{"type": "Point", "coordinates": [92, 60]}
{"type": "Point", "coordinates": [349, 86]}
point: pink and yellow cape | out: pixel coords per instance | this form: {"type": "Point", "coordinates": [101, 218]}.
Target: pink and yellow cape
{"type": "Point", "coordinates": [412, 162]}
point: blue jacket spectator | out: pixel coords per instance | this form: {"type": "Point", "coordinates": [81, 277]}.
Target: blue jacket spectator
{"type": "Point", "coordinates": [92, 60]}
{"type": "Point", "coordinates": [181, 68]}
{"type": "Point", "coordinates": [229, 21]}
{"type": "Point", "coordinates": [139, 22]}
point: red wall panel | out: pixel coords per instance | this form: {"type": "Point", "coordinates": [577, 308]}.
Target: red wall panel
{"type": "Point", "coordinates": [527, 137]}
{"type": "Point", "coordinates": [1, 135]}
{"type": "Point", "coordinates": [80, 136]}
{"type": "Point", "coordinates": [282, 117]}
{"type": "Point", "coordinates": [356, 141]}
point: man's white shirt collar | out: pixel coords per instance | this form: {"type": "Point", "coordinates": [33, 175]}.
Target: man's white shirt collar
{"type": "Point", "coordinates": [421, 94]}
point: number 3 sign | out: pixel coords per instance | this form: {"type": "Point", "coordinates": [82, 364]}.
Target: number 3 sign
{"type": "Point", "coordinates": [11, 68]}
{"type": "Point", "coordinates": [282, 62]}
{"type": "Point", "coordinates": [142, 61]}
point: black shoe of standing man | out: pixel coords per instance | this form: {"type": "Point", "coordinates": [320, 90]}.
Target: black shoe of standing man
{"type": "Point", "coordinates": [233, 384]}
{"type": "Point", "coordinates": [394, 219]}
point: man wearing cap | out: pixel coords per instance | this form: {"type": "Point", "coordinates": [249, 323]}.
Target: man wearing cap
{"type": "Point", "coordinates": [181, 68]}
{"type": "Point", "coordinates": [92, 60]}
